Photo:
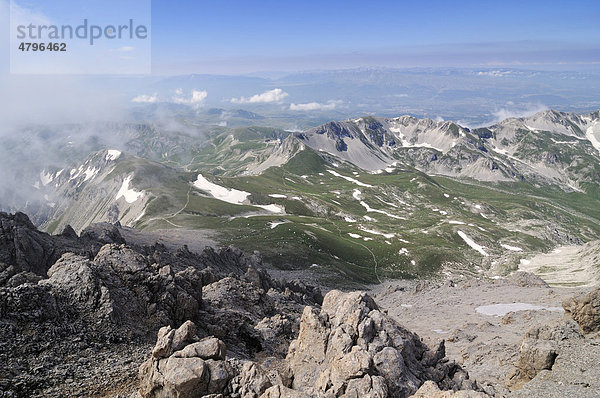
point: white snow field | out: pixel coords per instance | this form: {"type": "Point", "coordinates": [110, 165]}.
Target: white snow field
{"type": "Point", "coordinates": [130, 195]}
{"type": "Point", "coordinates": [472, 243]}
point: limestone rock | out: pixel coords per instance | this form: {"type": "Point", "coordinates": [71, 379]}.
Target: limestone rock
{"type": "Point", "coordinates": [172, 340]}
{"type": "Point", "coordinates": [350, 348]}
{"type": "Point", "coordinates": [526, 279]}
{"type": "Point", "coordinates": [430, 390]}
{"type": "Point", "coordinates": [208, 348]}
{"type": "Point", "coordinates": [283, 392]}
{"type": "Point", "coordinates": [179, 369]}
{"type": "Point", "coordinates": [538, 350]}
{"type": "Point", "coordinates": [585, 310]}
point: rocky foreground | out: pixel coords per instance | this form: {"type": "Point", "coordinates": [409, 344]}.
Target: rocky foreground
{"type": "Point", "coordinates": [93, 315]}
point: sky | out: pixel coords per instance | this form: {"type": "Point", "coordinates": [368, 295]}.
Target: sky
{"type": "Point", "coordinates": [268, 38]}
{"type": "Point", "coordinates": [247, 36]}
{"type": "Point", "coordinates": [240, 37]}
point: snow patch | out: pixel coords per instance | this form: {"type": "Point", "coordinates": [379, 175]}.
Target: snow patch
{"type": "Point", "coordinates": [272, 208]}
{"type": "Point", "coordinates": [274, 224]}
{"type": "Point", "coordinates": [130, 195]}
{"type": "Point", "coordinates": [112, 154]}
{"type": "Point", "coordinates": [374, 232]}
{"type": "Point", "coordinates": [228, 195]}
{"type": "Point", "coordinates": [512, 248]}
{"type": "Point", "coordinates": [472, 243]}
{"type": "Point", "coordinates": [277, 196]}
{"type": "Point", "coordinates": [46, 178]}
{"type": "Point", "coordinates": [352, 180]}
{"type": "Point", "coordinates": [356, 195]}
{"type": "Point", "coordinates": [589, 133]}
{"type": "Point", "coordinates": [90, 173]}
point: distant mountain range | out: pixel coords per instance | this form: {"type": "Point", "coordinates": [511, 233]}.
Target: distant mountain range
{"type": "Point", "coordinates": [364, 198]}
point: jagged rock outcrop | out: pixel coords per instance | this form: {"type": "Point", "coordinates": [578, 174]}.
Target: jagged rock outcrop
{"type": "Point", "coordinates": [347, 349]}
{"type": "Point", "coordinates": [350, 348]}
{"type": "Point", "coordinates": [538, 350]}
{"type": "Point", "coordinates": [24, 249]}
{"type": "Point", "coordinates": [102, 232]}
{"type": "Point", "coordinates": [430, 390]}
{"type": "Point", "coordinates": [183, 366]}
{"type": "Point", "coordinates": [100, 299]}
{"type": "Point", "coordinates": [585, 310]}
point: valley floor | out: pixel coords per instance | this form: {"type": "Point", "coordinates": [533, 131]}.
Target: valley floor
{"type": "Point", "coordinates": [483, 333]}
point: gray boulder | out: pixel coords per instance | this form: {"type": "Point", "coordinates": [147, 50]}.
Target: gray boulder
{"type": "Point", "coordinates": [180, 369]}
{"type": "Point", "coordinates": [538, 350]}
{"type": "Point", "coordinates": [585, 310]}
{"type": "Point", "coordinates": [352, 349]}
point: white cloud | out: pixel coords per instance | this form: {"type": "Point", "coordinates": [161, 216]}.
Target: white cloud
{"type": "Point", "coordinates": [197, 98]}
{"type": "Point", "coordinates": [146, 99]}
{"type": "Point", "coordinates": [126, 49]}
{"type": "Point", "coordinates": [25, 16]}
{"type": "Point", "coordinates": [494, 73]}
{"type": "Point", "coordinates": [315, 106]}
{"type": "Point", "coordinates": [274, 95]}
{"type": "Point", "coordinates": [522, 110]}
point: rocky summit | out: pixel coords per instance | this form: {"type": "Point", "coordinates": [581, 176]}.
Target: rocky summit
{"type": "Point", "coordinates": [94, 315]}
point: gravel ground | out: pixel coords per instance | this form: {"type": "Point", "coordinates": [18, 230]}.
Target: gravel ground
{"type": "Point", "coordinates": [487, 345]}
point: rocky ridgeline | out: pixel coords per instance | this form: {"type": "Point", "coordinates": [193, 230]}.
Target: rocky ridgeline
{"type": "Point", "coordinates": [348, 348]}
{"type": "Point", "coordinates": [79, 316]}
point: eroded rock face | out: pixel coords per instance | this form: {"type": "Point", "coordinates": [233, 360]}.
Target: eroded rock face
{"type": "Point", "coordinates": [182, 367]}
{"type": "Point", "coordinates": [585, 310]}
{"type": "Point", "coordinates": [538, 350]}
{"type": "Point", "coordinates": [25, 249]}
{"type": "Point", "coordinates": [350, 348]}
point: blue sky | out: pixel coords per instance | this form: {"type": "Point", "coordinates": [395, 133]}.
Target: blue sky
{"type": "Point", "coordinates": [231, 37]}
{"type": "Point", "coordinates": [268, 37]}
{"type": "Point", "coordinates": [242, 36]}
